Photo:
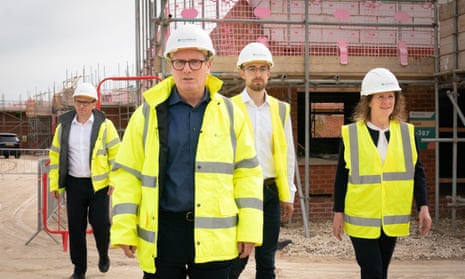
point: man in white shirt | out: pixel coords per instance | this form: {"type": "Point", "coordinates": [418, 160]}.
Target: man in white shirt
{"type": "Point", "coordinates": [81, 157]}
{"type": "Point", "coordinates": [269, 120]}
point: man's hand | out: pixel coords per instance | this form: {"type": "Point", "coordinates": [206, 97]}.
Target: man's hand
{"type": "Point", "coordinates": [338, 225]}
{"type": "Point", "coordinates": [245, 248]}
{"type": "Point", "coordinates": [287, 208]}
{"type": "Point", "coordinates": [56, 195]}
{"type": "Point", "coordinates": [424, 220]}
{"type": "Point", "coordinates": [110, 190]}
{"type": "Point", "coordinates": [129, 251]}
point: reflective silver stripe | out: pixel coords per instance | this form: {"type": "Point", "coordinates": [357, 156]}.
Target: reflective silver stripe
{"type": "Point", "coordinates": [101, 152]}
{"type": "Point", "coordinates": [395, 220]}
{"type": "Point", "coordinates": [232, 134]}
{"type": "Point", "coordinates": [360, 221]}
{"type": "Point", "coordinates": [146, 235]}
{"type": "Point", "coordinates": [146, 180]}
{"type": "Point", "coordinates": [100, 177]}
{"type": "Point", "coordinates": [125, 208]}
{"type": "Point", "coordinates": [282, 112]}
{"type": "Point", "coordinates": [149, 181]}
{"type": "Point", "coordinates": [113, 142]}
{"type": "Point", "coordinates": [112, 162]}
{"type": "Point", "coordinates": [146, 113]}
{"type": "Point", "coordinates": [215, 223]}
{"type": "Point", "coordinates": [130, 170]}
{"type": "Point", "coordinates": [249, 163]}
{"type": "Point", "coordinates": [104, 138]}
{"type": "Point", "coordinates": [249, 203]}
{"type": "Point", "coordinates": [408, 163]}
{"type": "Point", "coordinates": [355, 177]}
{"type": "Point", "coordinates": [55, 149]}
{"type": "Point", "coordinates": [215, 167]}
{"type": "Point", "coordinates": [53, 167]}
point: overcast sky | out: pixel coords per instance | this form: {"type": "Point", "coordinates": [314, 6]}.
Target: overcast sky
{"type": "Point", "coordinates": [43, 42]}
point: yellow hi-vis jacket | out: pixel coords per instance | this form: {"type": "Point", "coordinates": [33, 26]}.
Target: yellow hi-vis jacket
{"type": "Point", "coordinates": [280, 112]}
{"type": "Point", "coordinates": [379, 195]}
{"type": "Point", "coordinates": [228, 180]}
{"type": "Point", "coordinates": [104, 146]}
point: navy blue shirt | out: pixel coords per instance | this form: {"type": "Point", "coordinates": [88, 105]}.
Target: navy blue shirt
{"type": "Point", "coordinates": [184, 123]}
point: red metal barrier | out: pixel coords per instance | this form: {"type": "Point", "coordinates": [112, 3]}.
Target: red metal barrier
{"type": "Point", "coordinates": [121, 79]}
{"type": "Point", "coordinates": [59, 230]}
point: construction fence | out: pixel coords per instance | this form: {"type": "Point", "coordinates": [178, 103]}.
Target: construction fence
{"type": "Point", "coordinates": [51, 213]}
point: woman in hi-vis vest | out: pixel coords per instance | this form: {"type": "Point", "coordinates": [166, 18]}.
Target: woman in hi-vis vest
{"type": "Point", "coordinates": [378, 176]}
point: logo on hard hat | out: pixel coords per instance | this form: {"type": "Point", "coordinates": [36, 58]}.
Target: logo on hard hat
{"type": "Point", "coordinates": [184, 40]}
{"type": "Point", "coordinates": [387, 83]}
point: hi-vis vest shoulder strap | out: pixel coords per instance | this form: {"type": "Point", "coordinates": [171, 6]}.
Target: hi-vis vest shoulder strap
{"type": "Point", "coordinates": [279, 113]}
{"type": "Point", "coordinates": [355, 176]}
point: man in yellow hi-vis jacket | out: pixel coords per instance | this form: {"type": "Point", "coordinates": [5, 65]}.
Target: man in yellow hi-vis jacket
{"type": "Point", "coordinates": [188, 186]}
{"type": "Point", "coordinates": [81, 157]}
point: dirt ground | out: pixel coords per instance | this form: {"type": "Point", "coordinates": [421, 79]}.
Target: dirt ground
{"type": "Point", "coordinates": [29, 252]}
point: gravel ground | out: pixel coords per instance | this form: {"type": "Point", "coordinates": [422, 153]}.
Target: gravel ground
{"type": "Point", "coordinates": [440, 243]}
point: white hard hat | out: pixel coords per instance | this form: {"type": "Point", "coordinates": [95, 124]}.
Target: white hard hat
{"type": "Point", "coordinates": [189, 36]}
{"type": "Point", "coordinates": [379, 80]}
{"type": "Point", "coordinates": [254, 52]}
{"type": "Point", "coordinates": [86, 89]}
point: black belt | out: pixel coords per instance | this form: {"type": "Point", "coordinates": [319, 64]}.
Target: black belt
{"type": "Point", "coordinates": [269, 182]}
{"type": "Point", "coordinates": [187, 215]}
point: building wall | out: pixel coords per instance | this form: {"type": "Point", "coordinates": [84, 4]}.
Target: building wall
{"type": "Point", "coordinates": [322, 172]}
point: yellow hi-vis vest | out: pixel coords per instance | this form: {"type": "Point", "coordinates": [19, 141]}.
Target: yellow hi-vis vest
{"type": "Point", "coordinates": [280, 112]}
{"type": "Point", "coordinates": [228, 180]}
{"type": "Point", "coordinates": [379, 195]}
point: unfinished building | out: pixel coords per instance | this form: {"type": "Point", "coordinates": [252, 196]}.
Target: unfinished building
{"type": "Point", "coordinates": [322, 49]}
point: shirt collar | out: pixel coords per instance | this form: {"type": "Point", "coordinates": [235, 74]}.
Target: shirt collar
{"type": "Point", "coordinates": [247, 100]}
{"type": "Point", "coordinates": [90, 120]}
{"type": "Point", "coordinates": [174, 97]}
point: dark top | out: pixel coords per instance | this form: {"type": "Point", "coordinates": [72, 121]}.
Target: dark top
{"type": "Point", "coordinates": [184, 123]}
{"type": "Point", "coordinates": [342, 176]}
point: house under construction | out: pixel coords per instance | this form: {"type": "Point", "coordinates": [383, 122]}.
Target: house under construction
{"type": "Point", "coordinates": [321, 49]}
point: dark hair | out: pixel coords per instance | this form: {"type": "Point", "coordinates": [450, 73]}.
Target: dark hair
{"type": "Point", "coordinates": [362, 109]}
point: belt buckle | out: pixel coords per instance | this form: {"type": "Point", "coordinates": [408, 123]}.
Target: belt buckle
{"type": "Point", "coordinates": [190, 216]}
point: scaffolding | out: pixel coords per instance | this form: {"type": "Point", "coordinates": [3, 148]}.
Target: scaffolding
{"type": "Point", "coordinates": [312, 42]}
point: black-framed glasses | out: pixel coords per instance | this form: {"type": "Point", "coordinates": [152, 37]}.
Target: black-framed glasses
{"type": "Point", "coordinates": [194, 64]}
{"type": "Point", "coordinates": [254, 70]}
{"type": "Point", "coordinates": [83, 103]}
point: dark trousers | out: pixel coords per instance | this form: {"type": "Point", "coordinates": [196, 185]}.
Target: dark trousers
{"type": "Point", "coordinates": [374, 255]}
{"type": "Point", "coordinates": [175, 245]}
{"type": "Point", "coordinates": [82, 204]}
{"type": "Point", "coordinates": [265, 254]}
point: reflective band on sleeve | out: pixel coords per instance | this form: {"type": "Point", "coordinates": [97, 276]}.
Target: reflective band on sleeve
{"type": "Point", "coordinates": [125, 208]}
{"type": "Point", "coordinates": [249, 203]}
{"type": "Point", "coordinates": [146, 235]}
{"type": "Point", "coordinates": [247, 164]}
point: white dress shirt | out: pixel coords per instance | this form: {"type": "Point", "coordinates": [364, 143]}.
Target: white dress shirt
{"type": "Point", "coordinates": [260, 117]}
{"type": "Point", "coordinates": [382, 140]}
{"type": "Point", "coordinates": [79, 148]}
